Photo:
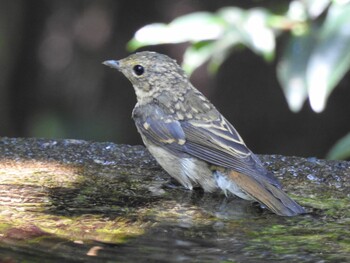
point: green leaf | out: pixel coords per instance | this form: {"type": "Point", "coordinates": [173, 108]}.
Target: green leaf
{"type": "Point", "coordinates": [291, 69]}
{"type": "Point", "coordinates": [316, 7]}
{"type": "Point", "coordinates": [214, 35]}
{"type": "Point", "coordinates": [152, 34]}
{"type": "Point", "coordinates": [330, 59]}
{"type": "Point", "coordinates": [306, 9]}
{"type": "Point", "coordinates": [196, 55]}
{"type": "Point", "coordinates": [252, 28]}
{"type": "Point", "coordinates": [193, 27]}
{"type": "Point", "coordinates": [223, 48]}
{"type": "Point", "coordinates": [214, 51]}
{"type": "Point", "coordinates": [259, 37]}
{"type": "Point", "coordinates": [341, 149]}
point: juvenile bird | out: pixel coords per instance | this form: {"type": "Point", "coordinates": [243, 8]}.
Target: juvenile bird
{"type": "Point", "coordinates": [189, 137]}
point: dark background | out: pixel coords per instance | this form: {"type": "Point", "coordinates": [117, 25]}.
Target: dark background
{"type": "Point", "coordinates": [52, 83]}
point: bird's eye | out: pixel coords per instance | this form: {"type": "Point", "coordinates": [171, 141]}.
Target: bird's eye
{"type": "Point", "coordinates": [139, 70]}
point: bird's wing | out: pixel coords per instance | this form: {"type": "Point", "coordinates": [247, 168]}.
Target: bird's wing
{"type": "Point", "coordinates": [215, 142]}
{"type": "Point", "coordinates": [159, 128]}
{"type": "Point", "coordinates": [218, 143]}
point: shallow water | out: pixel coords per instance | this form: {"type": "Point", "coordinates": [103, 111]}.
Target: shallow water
{"type": "Point", "coordinates": [76, 201]}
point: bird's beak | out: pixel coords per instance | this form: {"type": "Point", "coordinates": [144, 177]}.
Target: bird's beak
{"type": "Point", "coordinates": [112, 64]}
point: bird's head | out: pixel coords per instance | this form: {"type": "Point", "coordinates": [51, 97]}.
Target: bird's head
{"type": "Point", "coordinates": [150, 73]}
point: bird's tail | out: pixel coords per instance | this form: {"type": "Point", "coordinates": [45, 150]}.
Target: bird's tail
{"type": "Point", "coordinates": [267, 194]}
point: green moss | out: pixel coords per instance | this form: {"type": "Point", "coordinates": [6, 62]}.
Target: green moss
{"type": "Point", "coordinates": [308, 235]}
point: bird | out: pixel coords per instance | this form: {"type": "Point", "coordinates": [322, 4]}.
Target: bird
{"type": "Point", "coordinates": [191, 140]}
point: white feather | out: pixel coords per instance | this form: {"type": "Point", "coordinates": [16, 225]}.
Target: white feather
{"type": "Point", "coordinates": [228, 185]}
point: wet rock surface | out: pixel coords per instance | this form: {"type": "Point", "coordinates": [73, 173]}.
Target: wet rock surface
{"type": "Point", "coordinates": [82, 201]}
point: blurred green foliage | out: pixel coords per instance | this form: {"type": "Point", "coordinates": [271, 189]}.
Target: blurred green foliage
{"type": "Point", "coordinates": [341, 150]}
{"type": "Point", "coordinates": [314, 60]}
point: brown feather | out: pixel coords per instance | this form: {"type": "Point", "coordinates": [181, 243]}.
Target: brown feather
{"type": "Point", "coordinates": [263, 192]}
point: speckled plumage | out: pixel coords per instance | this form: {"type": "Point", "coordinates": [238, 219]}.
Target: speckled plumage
{"type": "Point", "coordinates": [189, 137]}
